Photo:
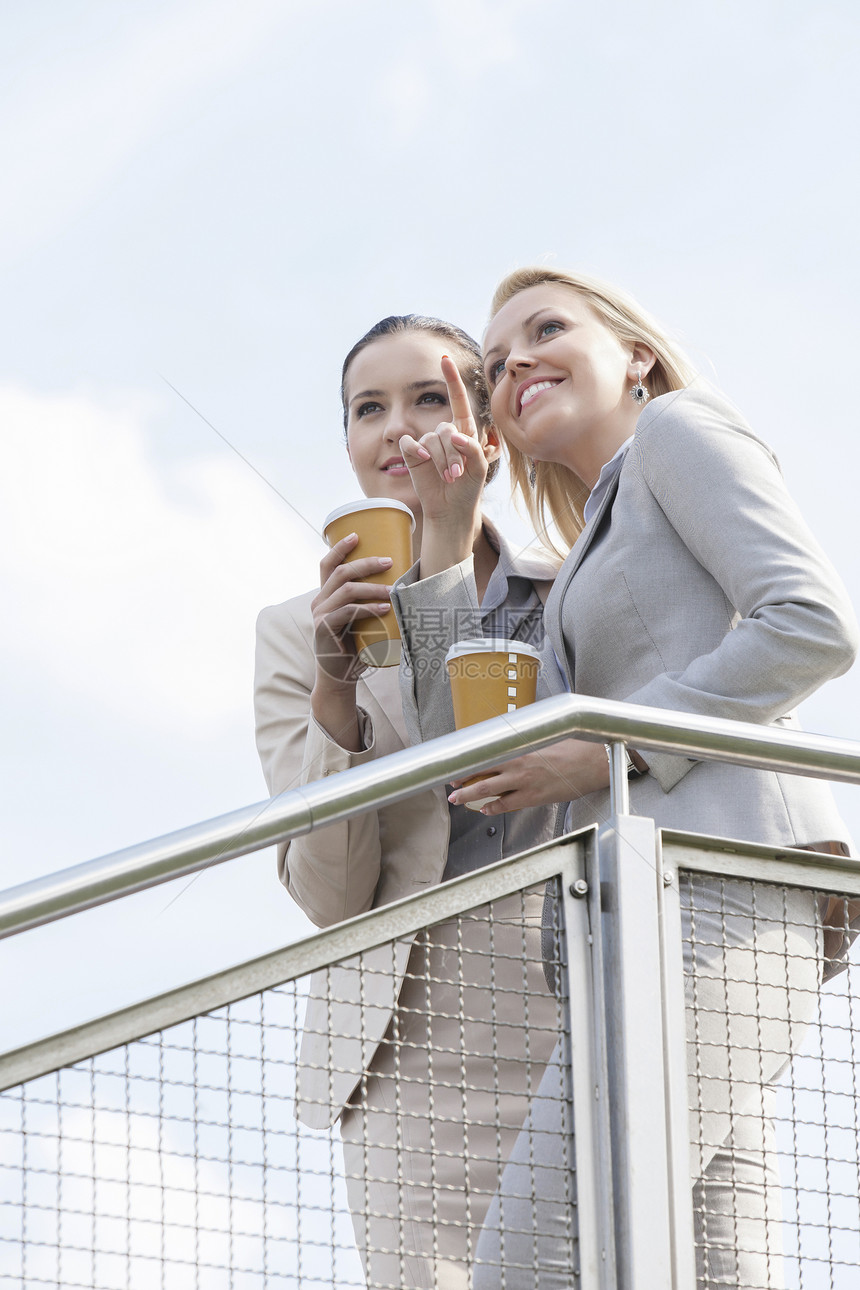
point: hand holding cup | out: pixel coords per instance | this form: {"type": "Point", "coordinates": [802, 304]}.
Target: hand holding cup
{"type": "Point", "coordinates": [346, 596]}
{"type": "Point", "coordinates": [376, 534]}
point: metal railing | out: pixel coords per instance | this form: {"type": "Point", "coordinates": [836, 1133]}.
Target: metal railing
{"type": "Point", "coordinates": [637, 936]}
{"type": "Point", "coordinates": [379, 783]}
{"type": "Point", "coordinates": [165, 1151]}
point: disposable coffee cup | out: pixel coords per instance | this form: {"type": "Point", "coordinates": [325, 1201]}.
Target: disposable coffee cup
{"type": "Point", "coordinates": [488, 679]}
{"type": "Point", "coordinates": [384, 527]}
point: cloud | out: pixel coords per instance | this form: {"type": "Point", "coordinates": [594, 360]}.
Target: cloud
{"type": "Point", "coordinates": [407, 92]}
{"type": "Point", "coordinates": [481, 34]}
{"type": "Point", "coordinates": [471, 38]}
{"type": "Point", "coordinates": [81, 106]}
{"type": "Point", "coordinates": [132, 580]}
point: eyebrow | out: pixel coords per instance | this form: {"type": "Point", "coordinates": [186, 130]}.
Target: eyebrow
{"type": "Point", "coordinates": [525, 323]}
{"type": "Point", "coordinates": [411, 388]}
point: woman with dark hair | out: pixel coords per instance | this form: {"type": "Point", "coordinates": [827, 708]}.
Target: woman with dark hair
{"type": "Point", "coordinates": [430, 1096]}
{"type": "Point", "coordinates": [692, 584]}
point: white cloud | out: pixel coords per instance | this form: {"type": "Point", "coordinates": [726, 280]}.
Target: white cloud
{"type": "Point", "coordinates": [80, 111]}
{"type": "Point", "coordinates": [473, 37]}
{"type": "Point", "coordinates": [133, 581]}
{"type": "Point", "coordinates": [407, 92]}
{"type": "Point", "coordinates": [480, 34]}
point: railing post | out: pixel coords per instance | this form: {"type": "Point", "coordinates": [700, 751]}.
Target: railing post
{"type": "Point", "coordinates": [592, 1153]}
{"type": "Point", "coordinates": [632, 984]}
{"type": "Point", "coordinates": [619, 789]}
{"type": "Point", "coordinates": [675, 1071]}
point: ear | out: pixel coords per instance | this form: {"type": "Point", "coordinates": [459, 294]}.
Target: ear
{"type": "Point", "coordinates": [491, 442]}
{"type": "Point", "coordinates": [641, 357]}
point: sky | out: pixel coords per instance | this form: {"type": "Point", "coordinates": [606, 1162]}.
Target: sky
{"type": "Point", "coordinates": [207, 204]}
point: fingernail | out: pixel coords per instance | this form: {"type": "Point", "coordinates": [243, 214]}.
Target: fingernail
{"type": "Point", "coordinates": [461, 438]}
{"type": "Point", "coordinates": [422, 452]}
{"type": "Point", "coordinates": [456, 470]}
{"type": "Point", "coordinates": [452, 798]}
{"type": "Point", "coordinates": [383, 606]}
{"type": "Point", "coordinates": [385, 560]}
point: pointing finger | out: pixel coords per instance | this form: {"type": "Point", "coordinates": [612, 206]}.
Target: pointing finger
{"type": "Point", "coordinates": [458, 399]}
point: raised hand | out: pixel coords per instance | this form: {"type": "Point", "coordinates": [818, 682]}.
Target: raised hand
{"type": "Point", "coordinates": [448, 466]}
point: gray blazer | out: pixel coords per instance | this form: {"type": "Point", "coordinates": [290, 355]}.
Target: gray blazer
{"type": "Point", "coordinates": [698, 587]}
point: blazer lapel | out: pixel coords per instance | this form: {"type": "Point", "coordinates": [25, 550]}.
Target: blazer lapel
{"type": "Point", "coordinates": [383, 684]}
{"type": "Point", "coordinates": [578, 552]}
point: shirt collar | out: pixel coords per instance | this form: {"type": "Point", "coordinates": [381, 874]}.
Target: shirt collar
{"type": "Point", "coordinates": [607, 474]}
{"type": "Point", "coordinates": [530, 562]}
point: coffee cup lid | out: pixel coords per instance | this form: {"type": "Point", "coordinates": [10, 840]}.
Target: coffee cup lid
{"type": "Point", "coordinates": [490, 645]}
{"type": "Point", "coordinates": [367, 504]}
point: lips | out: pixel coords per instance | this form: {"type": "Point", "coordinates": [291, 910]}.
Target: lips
{"type": "Point", "coordinates": [530, 389]}
{"type": "Point", "coordinates": [394, 466]}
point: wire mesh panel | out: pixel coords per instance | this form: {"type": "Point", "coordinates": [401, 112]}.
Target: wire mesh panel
{"type": "Point", "coordinates": [773, 1083]}
{"type": "Point", "coordinates": [178, 1160]}
{"type": "Point", "coordinates": [172, 1161]}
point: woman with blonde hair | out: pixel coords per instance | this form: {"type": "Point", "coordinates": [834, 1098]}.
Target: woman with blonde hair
{"type": "Point", "coordinates": [692, 583]}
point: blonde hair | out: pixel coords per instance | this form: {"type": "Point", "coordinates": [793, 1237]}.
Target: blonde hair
{"type": "Point", "coordinates": [558, 494]}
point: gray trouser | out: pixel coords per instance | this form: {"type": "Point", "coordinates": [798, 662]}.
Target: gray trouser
{"type": "Point", "coordinates": [751, 958]}
{"type": "Point", "coordinates": [529, 1236]}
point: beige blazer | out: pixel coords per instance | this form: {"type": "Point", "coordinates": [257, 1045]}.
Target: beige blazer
{"type": "Point", "coordinates": [347, 868]}
{"type": "Point", "coordinates": [699, 587]}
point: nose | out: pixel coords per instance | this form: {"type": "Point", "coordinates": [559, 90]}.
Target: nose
{"type": "Point", "coordinates": [519, 363]}
{"type": "Point", "coordinates": [396, 425]}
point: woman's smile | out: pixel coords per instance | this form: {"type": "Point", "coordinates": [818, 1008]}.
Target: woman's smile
{"type": "Point", "coordinates": [530, 389]}
{"type": "Point", "coordinates": [394, 466]}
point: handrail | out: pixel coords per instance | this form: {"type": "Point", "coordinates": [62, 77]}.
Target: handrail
{"type": "Point", "coordinates": [389, 779]}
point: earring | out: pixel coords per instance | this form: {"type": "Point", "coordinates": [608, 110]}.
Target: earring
{"type": "Point", "coordinates": [639, 394]}
{"type": "Point", "coordinates": [532, 474]}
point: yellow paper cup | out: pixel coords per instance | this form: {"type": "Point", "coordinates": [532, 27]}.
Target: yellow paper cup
{"type": "Point", "coordinates": [489, 678]}
{"type": "Point", "coordinates": [384, 527]}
